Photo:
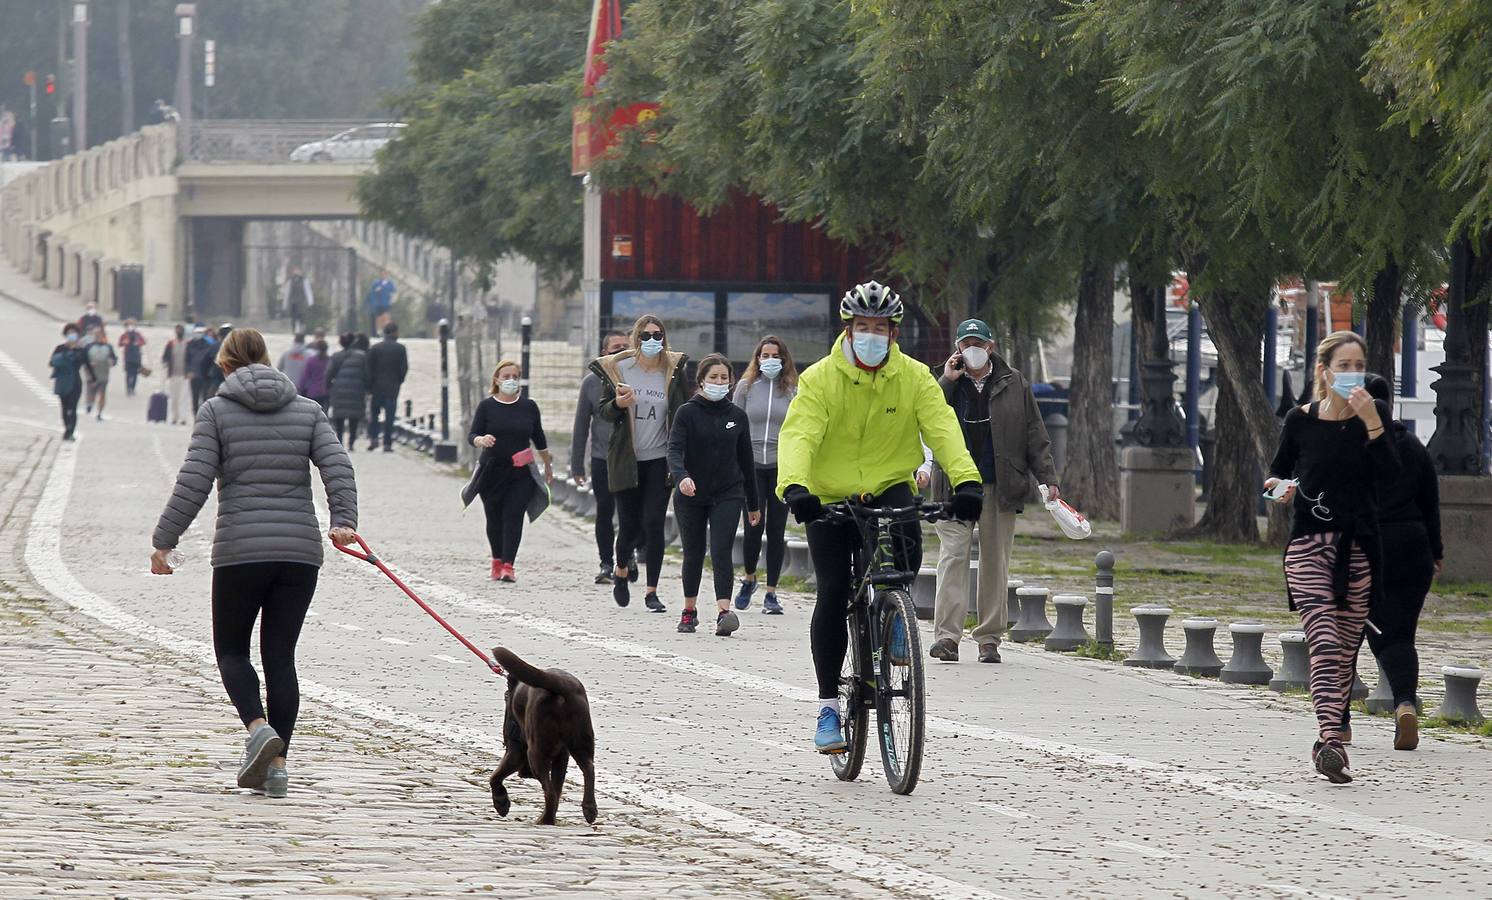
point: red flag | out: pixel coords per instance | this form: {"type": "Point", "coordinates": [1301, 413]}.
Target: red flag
{"type": "Point", "coordinates": [590, 138]}
{"type": "Point", "coordinates": [606, 26]}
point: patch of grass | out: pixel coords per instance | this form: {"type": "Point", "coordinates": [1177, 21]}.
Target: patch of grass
{"type": "Point", "coordinates": [1482, 730]}
{"type": "Point", "coordinates": [88, 759]}
{"type": "Point", "coordinates": [1095, 650]}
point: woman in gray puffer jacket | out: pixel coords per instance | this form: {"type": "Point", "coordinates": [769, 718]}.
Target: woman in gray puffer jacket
{"type": "Point", "coordinates": [349, 379]}
{"type": "Point", "coordinates": [257, 439]}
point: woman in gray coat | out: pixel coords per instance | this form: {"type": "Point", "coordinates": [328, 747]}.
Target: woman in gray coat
{"type": "Point", "coordinates": [348, 378]}
{"type": "Point", "coordinates": [257, 439]}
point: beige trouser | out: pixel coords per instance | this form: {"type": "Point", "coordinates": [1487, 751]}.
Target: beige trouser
{"type": "Point", "coordinates": [177, 384]}
{"type": "Point", "coordinates": [996, 538]}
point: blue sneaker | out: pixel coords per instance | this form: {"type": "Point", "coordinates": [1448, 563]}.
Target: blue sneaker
{"type": "Point", "coordinates": [743, 598]}
{"type": "Point", "coordinates": [770, 606]}
{"type": "Point", "coordinates": [828, 738]}
{"type": "Point", "coordinates": [899, 649]}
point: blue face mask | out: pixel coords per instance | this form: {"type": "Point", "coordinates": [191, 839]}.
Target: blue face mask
{"type": "Point", "coordinates": [715, 391]}
{"type": "Point", "coordinates": [871, 349]}
{"type": "Point", "coordinates": [70, 337]}
{"type": "Point", "coordinates": [770, 367]}
{"type": "Point", "coordinates": [1342, 383]}
{"type": "Point", "coordinates": [651, 349]}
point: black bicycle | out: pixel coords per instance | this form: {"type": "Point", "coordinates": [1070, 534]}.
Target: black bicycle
{"type": "Point", "coordinates": [883, 668]}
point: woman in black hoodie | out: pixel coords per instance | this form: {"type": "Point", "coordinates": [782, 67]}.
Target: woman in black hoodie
{"type": "Point", "coordinates": [709, 457]}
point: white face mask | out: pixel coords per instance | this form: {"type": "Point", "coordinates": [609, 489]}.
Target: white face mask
{"type": "Point", "coordinates": [715, 391]}
{"type": "Point", "coordinates": [508, 386]}
{"type": "Point", "coordinates": [975, 357]}
{"type": "Point", "coordinates": [770, 367]}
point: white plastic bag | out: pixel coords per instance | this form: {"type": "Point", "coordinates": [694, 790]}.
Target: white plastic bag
{"type": "Point", "coordinates": [1072, 522]}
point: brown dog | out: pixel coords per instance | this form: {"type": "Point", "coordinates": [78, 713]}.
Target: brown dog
{"type": "Point", "coordinates": [546, 720]}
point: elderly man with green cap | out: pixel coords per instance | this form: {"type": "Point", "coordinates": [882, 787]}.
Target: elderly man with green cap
{"type": "Point", "coordinates": [1005, 435]}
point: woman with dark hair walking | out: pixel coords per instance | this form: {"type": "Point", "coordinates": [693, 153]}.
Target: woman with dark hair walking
{"type": "Point", "coordinates": [347, 382]}
{"type": "Point", "coordinates": [257, 440]}
{"type": "Point", "coordinates": [709, 457]}
{"type": "Point", "coordinates": [1413, 556]}
{"type": "Point", "coordinates": [67, 362]}
{"type": "Point", "coordinates": [764, 392]}
{"type": "Point", "coordinates": [1333, 461]}
{"type": "Point", "coordinates": [641, 390]}
{"type": "Point", "coordinates": [507, 429]}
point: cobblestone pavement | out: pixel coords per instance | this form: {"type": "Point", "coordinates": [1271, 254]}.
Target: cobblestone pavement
{"type": "Point", "coordinates": [1045, 777]}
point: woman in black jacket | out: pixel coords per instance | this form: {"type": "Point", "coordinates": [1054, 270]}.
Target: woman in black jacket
{"type": "Point", "coordinates": [1334, 458]}
{"type": "Point", "coordinates": [504, 427]}
{"type": "Point", "coordinates": [709, 457]}
{"type": "Point", "coordinates": [67, 381]}
{"type": "Point", "coordinates": [347, 379]}
{"type": "Point", "coordinates": [1409, 528]}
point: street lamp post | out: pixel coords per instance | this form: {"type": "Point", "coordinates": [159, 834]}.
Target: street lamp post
{"type": "Point", "coordinates": [445, 451]}
{"type": "Point", "coordinates": [80, 75]}
{"type": "Point", "coordinates": [527, 325]}
{"type": "Point", "coordinates": [1159, 425]}
{"type": "Point", "coordinates": [186, 31]}
{"type": "Point", "coordinates": [1453, 447]}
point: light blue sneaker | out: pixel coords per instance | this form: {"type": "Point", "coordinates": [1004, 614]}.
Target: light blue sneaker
{"type": "Point", "coordinates": [260, 749]}
{"type": "Point", "coordinates": [900, 652]}
{"type": "Point", "coordinates": [828, 737]}
{"type": "Point", "coordinates": [743, 597]}
{"type": "Point", "coordinates": [277, 782]}
{"type": "Point", "coordinates": [770, 606]}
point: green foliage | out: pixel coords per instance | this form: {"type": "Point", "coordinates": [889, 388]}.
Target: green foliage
{"type": "Point", "coordinates": [483, 167]}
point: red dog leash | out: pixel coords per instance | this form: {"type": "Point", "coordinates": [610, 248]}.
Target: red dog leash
{"type": "Point", "coordinates": [367, 555]}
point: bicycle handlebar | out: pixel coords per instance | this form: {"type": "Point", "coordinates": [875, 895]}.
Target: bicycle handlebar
{"type": "Point", "coordinates": [850, 508]}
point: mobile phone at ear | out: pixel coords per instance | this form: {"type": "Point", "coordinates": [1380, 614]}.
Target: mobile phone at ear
{"type": "Point", "coordinates": [959, 362]}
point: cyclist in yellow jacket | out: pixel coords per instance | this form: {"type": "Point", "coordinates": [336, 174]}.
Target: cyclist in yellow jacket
{"type": "Point", "coordinates": [857, 427]}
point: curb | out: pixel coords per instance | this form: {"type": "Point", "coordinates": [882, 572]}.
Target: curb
{"type": "Point", "coordinates": [34, 306]}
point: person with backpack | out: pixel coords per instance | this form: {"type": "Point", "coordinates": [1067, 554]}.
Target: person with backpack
{"type": "Point", "coordinates": [130, 342]}
{"type": "Point", "coordinates": [388, 366]}
{"type": "Point", "coordinates": [347, 381]}
{"type": "Point", "coordinates": [101, 358]}
{"type": "Point", "coordinates": [764, 392]}
{"type": "Point", "coordinates": [67, 361]}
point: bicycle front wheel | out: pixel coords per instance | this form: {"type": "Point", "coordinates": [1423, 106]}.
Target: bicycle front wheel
{"type": "Point", "coordinates": [901, 705]}
{"type": "Point", "coordinates": [855, 690]}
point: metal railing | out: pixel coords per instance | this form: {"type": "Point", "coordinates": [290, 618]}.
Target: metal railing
{"type": "Point", "coordinates": [258, 140]}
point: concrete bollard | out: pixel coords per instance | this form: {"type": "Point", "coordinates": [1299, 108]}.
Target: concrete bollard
{"type": "Point", "coordinates": [1103, 599]}
{"type": "Point", "coordinates": [738, 549]}
{"type": "Point", "coordinates": [798, 564]}
{"type": "Point", "coordinates": [670, 529]}
{"type": "Point", "coordinates": [1247, 665]}
{"type": "Point", "coordinates": [1033, 624]}
{"type": "Point", "coordinates": [973, 607]}
{"type": "Point", "coordinates": [1295, 667]}
{"type": "Point", "coordinates": [1199, 658]}
{"type": "Point", "coordinates": [925, 592]}
{"type": "Point", "coordinates": [1359, 687]}
{"type": "Point", "coordinates": [1381, 700]}
{"type": "Point", "coordinates": [1151, 652]}
{"type": "Point", "coordinates": [1460, 695]}
{"type": "Point", "coordinates": [1069, 633]}
{"type": "Point", "coordinates": [588, 502]}
{"type": "Point", "coordinates": [1012, 602]}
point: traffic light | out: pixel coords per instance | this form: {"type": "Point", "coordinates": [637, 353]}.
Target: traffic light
{"type": "Point", "coordinates": [29, 79]}
{"type": "Point", "coordinates": [51, 84]}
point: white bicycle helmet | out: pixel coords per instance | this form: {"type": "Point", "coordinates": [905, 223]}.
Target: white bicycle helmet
{"type": "Point", "coordinates": [872, 300]}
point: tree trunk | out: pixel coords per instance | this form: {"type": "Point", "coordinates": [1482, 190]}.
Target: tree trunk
{"type": "Point", "coordinates": [126, 68]}
{"type": "Point", "coordinates": [1091, 477]}
{"type": "Point", "coordinates": [1142, 315]}
{"type": "Point", "coordinates": [1233, 504]}
{"type": "Point", "coordinates": [1382, 320]}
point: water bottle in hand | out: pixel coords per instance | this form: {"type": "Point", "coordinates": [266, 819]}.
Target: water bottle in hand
{"type": "Point", "coordinates": [176, 559]}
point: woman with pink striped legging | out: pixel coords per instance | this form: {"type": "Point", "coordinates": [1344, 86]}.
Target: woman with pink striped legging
{"type": "Point", "coordinates": [1332, 457]}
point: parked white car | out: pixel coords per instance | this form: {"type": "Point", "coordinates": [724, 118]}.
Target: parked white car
{"type": "Point", "coordinates": [353, 145]}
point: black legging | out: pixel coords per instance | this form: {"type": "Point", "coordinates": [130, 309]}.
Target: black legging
{"type": "Point", "coordinates": [350, 424]}
{"type": "Point", "coordinates": [773, 522]}
{"type": "Point", "coordinates": [69, 403]}
{"type": "Point", "coordinates": [1408, 570]}
{"type": "Point", "coordinates": [834, 547]}
{"type": "Point", "coordinates": [505, 501]}
{"type": "Point", "coordinates": [640, 514]}
{"type": "Point", "coordinates": [131, 375]}
{"type": "Point", "coordinates": [721, 516]}
{"type": "Point", "coordinates": [605, 511]}
{"type": "Point", "coordinates": [199, 393]}
{"type": "Point", "coordinates": [282, 592]}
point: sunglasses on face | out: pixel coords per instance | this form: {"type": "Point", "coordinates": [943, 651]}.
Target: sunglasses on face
{"type": "Point", "coordinates": [652, 335]}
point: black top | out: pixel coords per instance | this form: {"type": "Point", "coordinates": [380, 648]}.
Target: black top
{"type": "Point", "coordinates": [971, 405]}
{"type": "Point", "coordinates": [711, 443]}
{"type": "Point", "coordinates": [1413, 497]}
{"type": "Point", "coordinates": [388, 364]}
{"type": "Point", "coordinates": [1341, 474]}
{"type": "Point", "coordinates": [515, 425]}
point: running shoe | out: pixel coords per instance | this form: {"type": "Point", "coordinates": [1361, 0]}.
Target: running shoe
{"type": "Point", "coordinates": [653, 603]}
{"type": "Point", "coordinates": [899, 652]}
{"type": "Point", "coordinates": [277, 782]}
{"type": "Point", "coordinates": [497, 570]}
{"type": "Point", "coordinates": [1406, 727]}
{"type": "Point", "coordinates": [770, 606]}
{"type": "Point", "coordinates": [260, 749]}
{"type": "Point", "coordinates": [1331, 761]}
{"type": "Point", "coordinates": [619, 590]}
{"type": "Point", "coordinates": [604, 576]}
{"type": "Point", "coordinates": [688, 621]}
{"type": "Point", "coordinates": [828, 737]}
{"type": "Point", "coordinates": [508, 574]}
{"type": "Point", "coordinates": [726, 622]}
{"type": "Point", "coordinates": [743, 598]}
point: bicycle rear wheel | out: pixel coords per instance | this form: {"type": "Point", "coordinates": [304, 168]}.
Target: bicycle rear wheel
{"type": "Point", "coordinates": [901, 705]}
{"type": "Point", "coordinates": [854, 699]}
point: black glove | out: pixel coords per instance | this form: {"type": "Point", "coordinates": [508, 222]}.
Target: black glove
{"type": "Point", "coordinates": [805, 506]}
{"type": "Point", "coordinates": [967, 501]}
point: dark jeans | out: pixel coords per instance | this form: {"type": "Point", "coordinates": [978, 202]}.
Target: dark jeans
{"type": "Point", "coordinates": [131, 375]}
{"type": "Point", "coordinates": [350, 426]}
{"type": "Point", "coordinates": [69, 403]}
{"type": "Point", "coordinates": [505, 501]}
{"type": "Point", "coordinates": [199, 393]}
{"type": "Point", "coordinates": [387, 404]}
{"type": "Point", "coordinates": [640, 514]}
{"type": "Point", "coordinates": [1408, 570]}
{"type": "Point", "coordinates": [721, 517]}
{"type": "Point", "coordinates": [773, 524]}
{"type": "Point", "coordinates": [280, 592]}
{"type": "Point", "coordinates": [834, 547]}
{"type": "Point", "coordinates": [605, 511]}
